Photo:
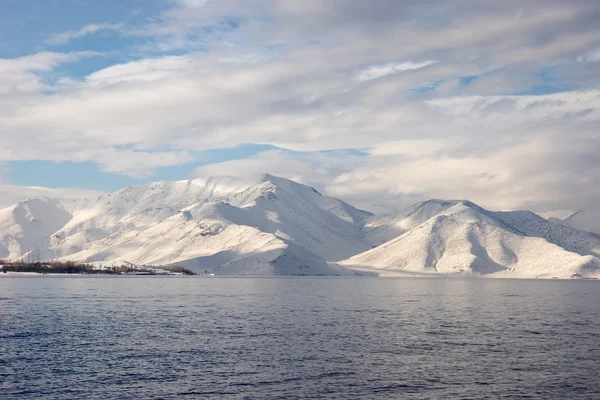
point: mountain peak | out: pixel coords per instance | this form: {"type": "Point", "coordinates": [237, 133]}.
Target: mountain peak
{"type": "Point", "coordinates": [460, 237]}
{"type": "Point", "coordinates": [199, 221]}
{"type": "Point", "coordinates": [288, 183]}
{"type": "Point", "coordinates": [273, 225]}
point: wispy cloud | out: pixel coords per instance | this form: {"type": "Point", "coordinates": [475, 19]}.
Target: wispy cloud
{"type": "Point", "coordinates": [192, 3]}
{"type": "Point", "coordinates": [12, 194]}
{"type": "Point", "coordinates": [23, 77]}
{"type": "Point", "coordinates": [379, 71]}
{"type": "Point", "coordinates": [592, 56]}
{"type": "Point", "coordinates": [65, 37]}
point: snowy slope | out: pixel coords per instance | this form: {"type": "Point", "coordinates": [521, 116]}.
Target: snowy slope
{"type": "Point", "coordinates": [382, 228]}
{"type": "Point", "coordinates": [274, 226]}
{"type": "Point", "coordinates": [584, 221]}
{"type": "Point", "coordinates": [220, 225]}
{"type": "Point", "coordinates": [467, 239]}
{"type": "Point", "coordinates": [29, 225]}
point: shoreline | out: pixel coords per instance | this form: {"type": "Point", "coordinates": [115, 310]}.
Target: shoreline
{"type": "Point", "coordinates": [383, 277]}
{"type": "Point", "coordinates": [13, 273]}
{"type": "Point", "coordinates": [72, 268]}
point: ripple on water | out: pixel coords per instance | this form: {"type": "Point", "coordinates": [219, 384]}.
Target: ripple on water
{"type": "Point", "coordinates": [293, 338]}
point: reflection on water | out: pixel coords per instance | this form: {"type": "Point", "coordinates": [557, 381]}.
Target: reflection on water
{"type": "Point", "coordinates": [174, 337]}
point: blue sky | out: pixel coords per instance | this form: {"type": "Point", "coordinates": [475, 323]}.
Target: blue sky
{"type": "Point", "coordinates": [26, 25]}
{"type": "Point", "coordinates": [87, 175]}
{"type": "Point", "coordinates": [380, 102]}
{"type": "Point", "coordinates": [41, 19]}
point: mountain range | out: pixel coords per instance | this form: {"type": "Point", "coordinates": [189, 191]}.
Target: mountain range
{"type": "Point", "coordinates": [274, 226]}
{"type": "Point", "coordinates": [578, 219]}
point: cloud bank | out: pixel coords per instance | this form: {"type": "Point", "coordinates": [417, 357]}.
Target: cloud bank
{"type": "Point", "coordinates": [497, 102]}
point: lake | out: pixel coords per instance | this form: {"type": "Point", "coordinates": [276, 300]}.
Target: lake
{"type": "Point", "coordinates": [76, 337]}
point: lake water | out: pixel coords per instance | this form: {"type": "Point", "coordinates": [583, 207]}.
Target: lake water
{"type": "Point", "coordinates": [291, 338]}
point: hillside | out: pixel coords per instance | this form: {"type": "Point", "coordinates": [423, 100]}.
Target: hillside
{"type": "Point", "coordinates": [382, 228]}
{"type": "Point", "coordinates": [274, 226]}
{"type": "Point", "coordinates": [212, 225]}
{"type": "Point", "coordinates": [581, 220]}
{"type": "Point", "coordinates": [467, 239]}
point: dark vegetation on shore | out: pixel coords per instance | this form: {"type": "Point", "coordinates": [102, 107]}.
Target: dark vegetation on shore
{"type": "Point", "coordinates": [69, 267]}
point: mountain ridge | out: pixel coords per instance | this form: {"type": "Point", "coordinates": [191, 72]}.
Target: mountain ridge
{"type": "Point", "coordinates": [466, 238]}
{"type": "Point", "coordinates": [577, 219]}
{"type": "Point", "coordinates": [274, 226]}
{"type": "Point", "coordinates": [222, 218]}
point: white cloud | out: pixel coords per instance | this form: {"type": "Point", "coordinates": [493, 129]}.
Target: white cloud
{"type": "Point", "coordinates": [12, 194]}
{"type": "Point", "coordinates": [65, 37]}
{"type": "Point", "coordinates": [592, 56]}
{"type": "Point", "coordinates": [411, 148]}
{"type": "Point", "coordinates": [23, 79]}
{"type": "Point", "coordinates": [40, 62]}
{"type": "Point", "coordinates": [300, 91]}
{"type": "Point", "coordinates": [502, 155]}
{"type": "Point", "coordinates": [192, 3]}
{"type": "Point", "coordinates": [150, 69]}
{"type": "Point", "coordinates": [379, 71]}
{"type": "Point", "coordinates": [134, 163]}
{"type": "Point", "coordinates": [317, 170]}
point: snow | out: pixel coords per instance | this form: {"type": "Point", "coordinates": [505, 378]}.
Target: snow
{"type": "Point", "coordinates": [467, 239]}
{"type": "Point", "coordinates": [273, 226]}
{"type": "Point", "coordinates": [29, 225]}
{"type": "Point", "coordinates": [382, 228]}
{"type": "Point", "coordinates": [221, 225]}
{"type": "Point", "coordinates": [581, 220]}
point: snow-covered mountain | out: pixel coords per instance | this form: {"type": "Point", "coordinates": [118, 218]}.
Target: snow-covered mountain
{"type": "Point", "coordinates": [382, 228]}
{"type": "Point", "coordinates": [584, 221]}
{"type": "Point", "coordinates": [459, 237]}
{"type": "Point", "coordinates": [224, 224]}
{"type": "Point", "coordinates": [274, 226]}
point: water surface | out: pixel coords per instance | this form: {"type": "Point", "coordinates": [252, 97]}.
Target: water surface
{"type": "Point", "coordinates": [323, 338]}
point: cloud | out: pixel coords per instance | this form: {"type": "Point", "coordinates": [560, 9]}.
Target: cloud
{"type": "Point", "coordinates": [313, 76]}
{"type": "Point", "coordinates": [192, 3]}
{"type": "Point", "coordinates": [65, 37]}
{"type": "Point", "coordinates": [12, 194]}
{"type": "Point", "coordinates": [24, 79]}
{"type": "Point", "coordinates": [592, 56]}
{"type": "Point", "coordinates": [133, 163]}
{"type": "Point", "coordinates": [540, 172]}
{"type": "Point", "coordinates": [44, 61]}
{"type": "Point", "coordinates": [537, 174]}
{"type": "Point", "coordinates": [149, 69]}
{"type": "Point", "coordinates": [504, 153]}
{"type": "Point", "coordinates": [379, 71]}
{"type": "Point", "coordinates": [315, 169]}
